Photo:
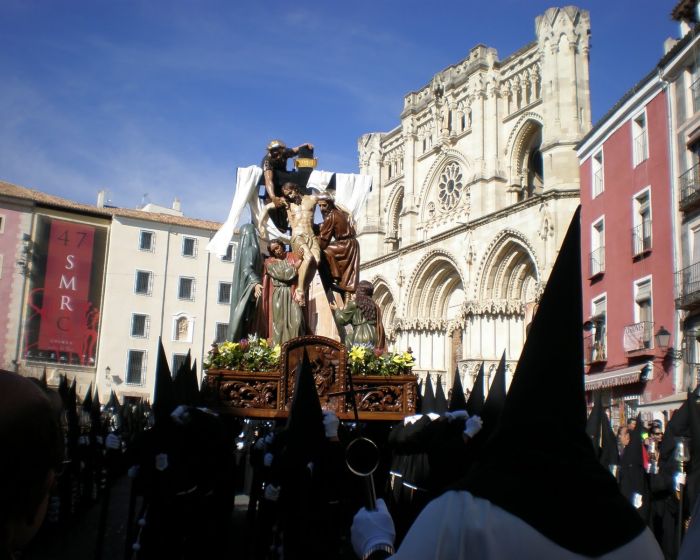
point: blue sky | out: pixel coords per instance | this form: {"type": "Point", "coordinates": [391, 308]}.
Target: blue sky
{"type": "Point", "coordinates": [169, 97]}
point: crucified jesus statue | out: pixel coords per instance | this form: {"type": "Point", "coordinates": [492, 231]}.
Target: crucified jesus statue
{"type": "Point", "coordinates": [300, 212]}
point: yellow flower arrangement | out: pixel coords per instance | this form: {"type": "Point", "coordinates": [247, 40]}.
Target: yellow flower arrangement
{"type": "Point", "coordinates": [249, 354]}
{"type": "Point", "coordinates": [364, 360]}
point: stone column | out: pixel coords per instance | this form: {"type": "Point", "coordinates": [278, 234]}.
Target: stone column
{"type": "Point", "coordinates": [409, 213]}
{"type": "Point", "coordinates": [490, 126]}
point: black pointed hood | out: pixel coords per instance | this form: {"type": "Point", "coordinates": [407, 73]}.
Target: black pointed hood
{"type": "Point", "coordinates": [96, 411]}
{"type": "Point", "coordinates": [608, 453]}
{"type": "Point", "coordinates": [491, 410]}
{"type": "Point", "coordinates": [305, 430]}
{"type": "Point", "coordinates": [633, 477]}
{"type": "Point", "coordinates": [164, 393]}
{"type": "Point", "coordinates": [632, 454]}
{"type": "Point", "coordinates": [192, 385]}
{"type": "Point", "coordinates": [181, 381]}
{"type": "Point", "coordinates": [457, 399]}
{"type": "Point", "coordinates": [72, 416]}
{"type": "Point", "coordinates": [113, 402]}
{"type": "Point", "coordinates": [549, 481]}
{"type": "Point", "coordinates": [593, 422]}
{"type": "Point", "coordinates": [495, 401]}
{"type": "Point", "coordinates": [96, 404]}
{"type": "Point", "coordinates": [600, 431]}
{"type": "Point", "coordinates": [87, 401]}
{"type": "Point", "coordinates": [428, 396]}
{"type": "Point", "coordinates": [440, 398]}
{"type": "Point", "coordinates": [63, 389]}
{"type": "Point", "coordinates": [475, 404]}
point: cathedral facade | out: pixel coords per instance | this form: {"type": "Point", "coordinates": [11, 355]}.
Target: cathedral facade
{"type": "Point", "coordinates": [473, 193]}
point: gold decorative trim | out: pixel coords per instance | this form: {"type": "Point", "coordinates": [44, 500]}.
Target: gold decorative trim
{"type": "Point", "coordinates": [306, 162]}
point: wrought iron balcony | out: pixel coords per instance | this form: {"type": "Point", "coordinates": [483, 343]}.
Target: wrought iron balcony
{"type": "Point", "coordinates": [594, 350]}
{"type": "Point", "coordinates": [597, 261]}
{"type": "Point", "coordinates": [639, 337]}
{"type": "Point", "coordinates": [688, 287]}
{"type": "Point", "coordinates": [641, 238]}
{"type": "Point", "coordinates": [690, 188]}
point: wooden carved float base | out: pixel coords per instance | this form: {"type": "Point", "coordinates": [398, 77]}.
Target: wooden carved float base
{"type": "Point", "coordinates": [269, 394]}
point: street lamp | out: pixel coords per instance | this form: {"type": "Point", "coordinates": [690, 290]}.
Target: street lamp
{"type": "Point", "coordinates": [663, 338]}
{"type": "Point", "coordinates": [663, 341]}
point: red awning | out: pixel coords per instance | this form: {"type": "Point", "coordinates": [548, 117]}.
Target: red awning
{"type": "Point", "coordinates": [606, 379]}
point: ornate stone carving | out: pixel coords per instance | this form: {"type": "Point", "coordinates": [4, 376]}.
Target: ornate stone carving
{"type": "Point", "coordinates": [503, 237]}
{"type": "Point", "coordinates": [499, 308]}
{"type": "Point", "coordinates": [450, 187]}
{"type": "Point", "coordinates": [425, 262]}
{"type": "Point", "coordinates": [546, 223]}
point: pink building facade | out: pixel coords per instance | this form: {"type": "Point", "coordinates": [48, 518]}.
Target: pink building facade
{"type": "Point", "coordinates": [628, 252]}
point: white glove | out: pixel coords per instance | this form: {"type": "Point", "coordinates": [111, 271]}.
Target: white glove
{"type": "Point", "coordinates": [260, 444]}
{"type": "Point", "coordinates": [372, 528]}
{"type": "Point", "coordinates": [113, 442]}
{"type": "Point", "coordinates": [181, 415]}
{"type": "Point", "coordinates": [473, 426]}
{"type": "Point", "coordinates": [272, 493]}
{"type": "Point", "coordinates": [679, 480]}
{"type": "Point", "coordinates": [637, 500]}
{"type": "Point", "coordinates": [456, 415]}
{"type": "Point", "coordinates": [269, 438]}
{"type": "Point", "coordinates": [267, 459]}
{"type": "Point", "coordinates": [330, 423]}
{"type": "Point", "coordinates": [412, 419]}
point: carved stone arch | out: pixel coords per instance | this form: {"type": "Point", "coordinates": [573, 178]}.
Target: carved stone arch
{"type": "Point", "coordinates": [433, 282]}
{"type": "Point", "coordinates": [393, 210]}
{"type": "Point", "coordinates": [384, 297]}
{"type": "Point", "coordinates": [371, 159]}
{"type": "Point", "coordinates": [519, 135]}
{"type": "Point", "coordinates": [525, 156]}
{"type": "Point", "coordinates": [500, 263]}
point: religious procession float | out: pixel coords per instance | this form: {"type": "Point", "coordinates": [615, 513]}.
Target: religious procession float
{"type": "Point", "coordinates": [279, 322]}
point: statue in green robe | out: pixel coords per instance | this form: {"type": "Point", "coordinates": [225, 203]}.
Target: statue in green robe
{"type": "Point", "coordinates": [246, 288]}
{"type": "Point", "coordinates": [365, 317]}
{"type": "Point", "coordinates": [285, 319]}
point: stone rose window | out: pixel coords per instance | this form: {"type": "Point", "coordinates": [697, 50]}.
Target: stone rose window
{"type": "Point", "coordinates": [450, 187]}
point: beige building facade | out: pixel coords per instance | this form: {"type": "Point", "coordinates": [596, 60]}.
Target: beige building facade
{"type": "Point", "coordinates": [143, 275]}
{"type": "Point", "coordinates": [473, 193]}
{"type": "Point", "coordinates": [160, 283]}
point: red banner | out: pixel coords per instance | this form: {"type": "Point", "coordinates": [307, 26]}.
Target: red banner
{"type": "Point", "coordinates": [68, 319]}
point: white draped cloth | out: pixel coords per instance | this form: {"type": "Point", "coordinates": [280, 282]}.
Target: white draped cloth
{"type": "Point", "coordinates": [350, 195]}
{"type": "Point", "coordinates": [460, 526]}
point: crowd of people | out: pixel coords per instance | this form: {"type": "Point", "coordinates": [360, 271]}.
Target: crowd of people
{"type": "Point", "coordinates": [458, 480]}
